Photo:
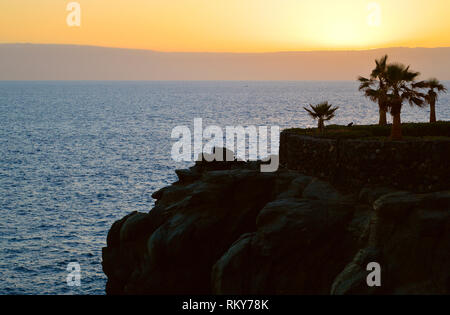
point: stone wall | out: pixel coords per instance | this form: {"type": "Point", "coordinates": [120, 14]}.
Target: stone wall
{"type": "Point", "coordinates": [420, 166]}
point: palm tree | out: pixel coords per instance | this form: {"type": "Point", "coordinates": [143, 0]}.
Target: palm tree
{"type": "Point", "coordinates": [432, 95]}
{"type": "Point", "coordinates": [322, 112]}
{"type": "Point", "coordinates": [401, 87]}
{"type": "Point", "coordinates": [375, 87]}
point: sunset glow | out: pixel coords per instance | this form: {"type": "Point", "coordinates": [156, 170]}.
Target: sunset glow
{"type": "Point", "coordinates": [229, 25]}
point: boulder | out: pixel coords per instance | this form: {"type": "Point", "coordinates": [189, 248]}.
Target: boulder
{"type": "Point", "coordinates": [410, 238]}
{"type": "Point", "coordinates": [290, 251]}
{"type": "Point", "coordinates": [321, 190]}
{"type": "Point", "coordinates": [187, 175]}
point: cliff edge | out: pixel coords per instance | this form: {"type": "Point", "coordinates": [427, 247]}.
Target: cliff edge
{"type": "Point", "coordinates": [227, 228]}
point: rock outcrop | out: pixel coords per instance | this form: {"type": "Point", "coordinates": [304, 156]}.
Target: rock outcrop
{"type": "Point", "coordinates": [227, 228]}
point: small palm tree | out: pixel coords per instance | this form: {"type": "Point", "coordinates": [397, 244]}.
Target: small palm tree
{"type": "Point", "coordinates": [322, 112]}
{"type": "Point", "coordinates": [375, 87]}
{"type": "Point", "coordinates": [432, 95]}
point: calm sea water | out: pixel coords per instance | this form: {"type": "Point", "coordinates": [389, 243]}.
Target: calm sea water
{"type": "Point", "coordinates": [76, 156]}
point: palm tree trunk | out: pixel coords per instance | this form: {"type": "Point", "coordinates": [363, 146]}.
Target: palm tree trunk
{"type": "Point", "coordinates": [383, 118]}
{"type": "Point", "coordinates": [433, 111]}
{"type": "Point", "coordinates": [321, 125]}
{"type": "Point", "coordinates": [396, 131]}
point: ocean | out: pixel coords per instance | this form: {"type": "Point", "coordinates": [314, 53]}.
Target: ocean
{"type": "Point", "coordinates": [77, 156]}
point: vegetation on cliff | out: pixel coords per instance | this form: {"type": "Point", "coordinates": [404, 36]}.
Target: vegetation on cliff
{"type": "Point", "coordinates": [322, 112]}
{"type": "Point", "coordinates": [390, 85]}
{"type": "Point", "coordinates": [393, 84]}
{"type": "Point", "coordinates": [411, 131]}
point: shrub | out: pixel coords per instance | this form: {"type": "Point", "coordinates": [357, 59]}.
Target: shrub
{"type": "Point", "coordinates": [438, 129]}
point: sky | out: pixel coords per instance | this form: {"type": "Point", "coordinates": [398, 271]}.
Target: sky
{"type": "Point", "coordinates": [230, 25]}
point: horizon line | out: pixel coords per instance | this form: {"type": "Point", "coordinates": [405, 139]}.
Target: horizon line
{"type": "Point", "coordinates": [223, 52]}
{"type": "Point", "coordinates": [162, 80]}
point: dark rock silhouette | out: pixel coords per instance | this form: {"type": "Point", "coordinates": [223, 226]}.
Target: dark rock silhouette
{"type": "Point", "coordinates": [227, 228]}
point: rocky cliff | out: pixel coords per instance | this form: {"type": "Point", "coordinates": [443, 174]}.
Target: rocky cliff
{"type": "Point", "coordinates": [227, 228]}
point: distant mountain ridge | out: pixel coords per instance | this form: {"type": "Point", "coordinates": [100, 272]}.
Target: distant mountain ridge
{"type": "Point", "coordinates": [73, 62]}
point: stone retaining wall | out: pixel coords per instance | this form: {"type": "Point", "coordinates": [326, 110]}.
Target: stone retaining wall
{"type": "Point", "coordinates": [420, 166]}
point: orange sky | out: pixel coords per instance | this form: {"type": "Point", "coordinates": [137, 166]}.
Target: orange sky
{"type": "Point", "coordinates": [230, 25]}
